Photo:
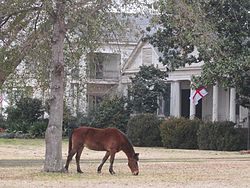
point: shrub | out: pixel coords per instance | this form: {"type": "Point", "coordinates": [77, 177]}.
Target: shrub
{"type": "Point", "coordinates": [71, 122]}
{"type": "Point", "coordinates": [26, 109]}
{"type": "Point", "coordinates": [15, 126]}
{"type": "Point", "coordinates": [111, 113]}
{"type": "Point", "coordinates": [221, 136]}
{"type": "Point", "coordinates": [37, 129]}
{"type": "Point", "coordinates": [143, 130]}
{"type": "Point", "coordinates": [22, 115]}
{"type": "Point", "coordinates": [2, 122]}
{"type": "Point", "coordinates": [179, 133]}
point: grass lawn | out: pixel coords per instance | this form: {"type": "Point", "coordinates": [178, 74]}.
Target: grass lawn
{"type": "Point", "coordinates": [21, 164]}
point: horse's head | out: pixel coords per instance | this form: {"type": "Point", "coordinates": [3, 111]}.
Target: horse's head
{"type": "Point", "coordinates": [133, 164]}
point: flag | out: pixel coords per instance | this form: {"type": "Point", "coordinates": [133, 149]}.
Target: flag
{"type": "Point", "coordinates": [198, 94]}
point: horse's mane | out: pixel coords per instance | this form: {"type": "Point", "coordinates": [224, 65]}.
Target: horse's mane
{"type": "Point", "coordinates": [127, 139]}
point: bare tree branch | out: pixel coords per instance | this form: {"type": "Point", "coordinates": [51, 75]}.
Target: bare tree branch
{"type": "Point", "coordinates": [4, 19]}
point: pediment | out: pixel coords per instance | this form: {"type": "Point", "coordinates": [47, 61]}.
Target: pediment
{"type": "Point", "coordinates": [143, 54]}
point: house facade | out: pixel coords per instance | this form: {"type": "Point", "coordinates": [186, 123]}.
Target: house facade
{"type": "Point", "coordinates": [218, 105]}
{"type": "Point", "coordinates": [107, 72]}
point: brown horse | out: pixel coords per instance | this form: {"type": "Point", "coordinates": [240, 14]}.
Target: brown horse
{"type": "Point", "coordinates": [110, 140]}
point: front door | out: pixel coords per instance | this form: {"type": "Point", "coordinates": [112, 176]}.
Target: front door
{"type": "Point", "coordinates": [185, 105]}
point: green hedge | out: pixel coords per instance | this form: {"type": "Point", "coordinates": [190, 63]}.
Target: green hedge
{"type": "Point", "coordinates": [179, 133]}
{"type": "Point", "coordinates": [143, 130]}
{"type": "Point", "coordinates": [183, 133]}
{"type": "Point", "coordinates": [221, 136]}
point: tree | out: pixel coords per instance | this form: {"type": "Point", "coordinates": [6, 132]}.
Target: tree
{"type": "Point", "coordinates": [38, 30]}
{"type": "Point", "coordinates": [216, 32]}
{"type": "Point", "coordinates": [147, 86]}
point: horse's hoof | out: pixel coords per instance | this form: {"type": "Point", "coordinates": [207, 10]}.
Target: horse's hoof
{"type": "Point", "coordinates": [79, 171]}
{"type": "Point", "coordinates": [99, 171]}
{"type": "Point", "coordinates": [112, 172]}
{"type": "Point", "coordinates": [65, 170]}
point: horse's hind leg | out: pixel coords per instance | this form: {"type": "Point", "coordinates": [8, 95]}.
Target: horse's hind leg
{"type": "Point", "coordinates": [99, 169]}
{"type": "Point", "coordinates": [78, 155]}
{"type": "Point", "coordinates": [112, 158]}
{"type": "Point", "coordinates": [69, 158]}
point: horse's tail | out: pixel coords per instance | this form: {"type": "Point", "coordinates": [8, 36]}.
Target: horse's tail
{"type": "Point", "coordinates": [70, 141]}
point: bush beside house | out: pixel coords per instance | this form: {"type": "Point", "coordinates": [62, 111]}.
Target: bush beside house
{"type": "Point", "coordinates": [180, 133]}
{"type": "Point", "coordinates": [25, 120]}
{"type": "Point", "coordinates": [221, 136]}
{"type": "Point", "coordinates": [111, 112]}
{"type": "Point", "coordinates": [144, 130]}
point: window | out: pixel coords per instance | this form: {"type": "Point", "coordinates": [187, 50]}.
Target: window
{"type": "Point", "coordinates": [93, 101]}
{"type": "Point", "coordinates": [103, 66]}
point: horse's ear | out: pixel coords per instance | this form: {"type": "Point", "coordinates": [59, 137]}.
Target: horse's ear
{"type": "Point", "coordinates": [137, 156]}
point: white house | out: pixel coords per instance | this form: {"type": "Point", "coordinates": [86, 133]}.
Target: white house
{"type": "Point", "coordinates": [218, 105]}
{"type": "Point", "coordinates": [107, 72]}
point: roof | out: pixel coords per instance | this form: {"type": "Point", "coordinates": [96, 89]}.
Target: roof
{"type": "Point", "coordinates": [135, 27]}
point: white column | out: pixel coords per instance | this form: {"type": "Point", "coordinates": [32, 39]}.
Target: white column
{"type": "Point", "coordinates": [215, 103]}
{"type": "Point", "coordinates": [192, 106]}
{"type": "Point", "coordinates": [232, 110]}
{"type": "Point", "coordinates": [175, 109]}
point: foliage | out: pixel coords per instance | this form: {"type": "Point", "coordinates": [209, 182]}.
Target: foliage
{"type": "Point", "coordinates": [147, 86]}
{"type": "Point", "coordinates": [37, 31]}
{"type": "Point", "coordinates": [143, 130]}
{"type": "Point", "coordinates": [70, 122]}
{"type": "Point", "coordinates": [244, 90]}
{"type": "Point", "coordinates": [38, 128]}
{"type": "Point", "coordinates": [2, 122]}
{"type": "Point", "coordinates": [26, 110]}
{"type": "Point", "coordinates": [180, 133]}
{"type": "Point", "coordinates": [111, 112]}
{"type": "Point", "coordinates": [215, 32]}
{"type": "Point", "coordinates": [27, 27]}
{"type": "Point", "coordinates": [23, 114]}
{"type": "Point", "coordinates": [221, 136]}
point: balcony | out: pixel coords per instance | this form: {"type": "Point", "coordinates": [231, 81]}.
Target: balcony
{"type": "Point", "coordinates": [104, 76]}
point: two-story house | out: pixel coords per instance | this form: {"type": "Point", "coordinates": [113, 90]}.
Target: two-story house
{"type": "Point", "coordinates": [107, 71]}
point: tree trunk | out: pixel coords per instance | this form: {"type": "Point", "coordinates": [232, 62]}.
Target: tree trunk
{"type": "Point", "coordinates": [53, 135]}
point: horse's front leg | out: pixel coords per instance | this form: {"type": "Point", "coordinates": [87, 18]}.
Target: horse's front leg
{"type": "Point", "coordinates": [99, 169]}
{"type": "Point", "coordinates": [112, 158]}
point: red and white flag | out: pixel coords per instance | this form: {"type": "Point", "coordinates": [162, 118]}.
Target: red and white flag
{"type": "Point", "coordinates": [198, 94]}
